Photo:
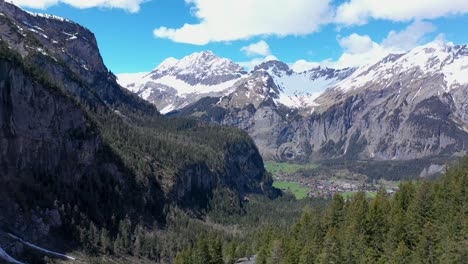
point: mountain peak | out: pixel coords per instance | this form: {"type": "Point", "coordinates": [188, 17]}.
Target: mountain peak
{"type": "Point", "coordinates": [201, 56]}
{"type": "Point", "coordinates": [438, 44]}
{"type": "Point", "coordinates": [274, 67]}
{"type": "Point", "coordinates": [167, 63]}
{"type": "Point", "coordinates": [199, 63]}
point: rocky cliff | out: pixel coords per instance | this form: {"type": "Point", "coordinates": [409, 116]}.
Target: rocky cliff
{"type": "Point", "coordinates": [78, 149]}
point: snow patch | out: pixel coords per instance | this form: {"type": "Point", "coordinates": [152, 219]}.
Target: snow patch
{"type": "Point", "coordinates": [300, 89]}
{"type": "Point", "coordinates": [71, 36]}
{"type": "Point", "coordinates": [39, 33]}
{"type": "Point", "coordinates": [167, 109]}
{"type": "Point", "coordinates": [184, 88]}
{"type": "Point", "coordinates": [126, 79]}
{"type": "Point", "coordinates": [48, 16]}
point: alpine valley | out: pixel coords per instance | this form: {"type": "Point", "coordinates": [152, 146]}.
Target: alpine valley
{"type": "Point", "coordinates": [406, 106]}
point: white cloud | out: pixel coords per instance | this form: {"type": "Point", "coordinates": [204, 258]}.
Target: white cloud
{"type": "Point", "coordinates": [360, 11]}
{"type": "Point", "coordinates": [358, 50]}
{"type": "Point", "coordinates": [361, 49]}
{"type": "Point", "coordinates": [227, 20]}
{"type": "Point", "coordinates": [373, 55]}
{"type": "Point", "coordinates": [129, 5]}
{"type": "Point", "coordinates": [260, 48]}
{"type": "Point", "coordinates": [303, 65]}
{"type": "Point", "coordinates": [355, 43]}
{"type": "Point", "coordinates": [250, 65]}
{"type": "Point", "coordinates": [409, 37]}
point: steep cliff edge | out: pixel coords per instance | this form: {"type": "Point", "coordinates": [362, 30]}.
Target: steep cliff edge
{"type": "Point", "coordinates": [78, 151]}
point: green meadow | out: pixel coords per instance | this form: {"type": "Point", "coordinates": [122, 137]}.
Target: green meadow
{"type": "Point", "coordinates": [295, 188]}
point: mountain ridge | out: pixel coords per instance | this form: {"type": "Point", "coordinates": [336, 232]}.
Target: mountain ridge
{"type": "Point", "coordinates": [377, 110]}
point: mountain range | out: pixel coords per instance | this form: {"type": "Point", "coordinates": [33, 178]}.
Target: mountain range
{"type": "Point", "coordinates": [92, 168]}
{"type": "Point", "coordinates": [405, 106]}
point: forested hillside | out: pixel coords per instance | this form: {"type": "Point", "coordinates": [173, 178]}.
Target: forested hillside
{"type": "Point", "coordinates": [424, 222]}
{"type": "Point", "coordinates": [84, 164]}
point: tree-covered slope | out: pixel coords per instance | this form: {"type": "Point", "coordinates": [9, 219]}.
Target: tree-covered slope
{"type": "Point", "coordinates": [79, 153]}
{"type": "Point", "coordinates": [423, 222]}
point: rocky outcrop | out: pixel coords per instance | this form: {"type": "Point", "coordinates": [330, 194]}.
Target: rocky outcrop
{"type": "Point", "coordinates": [68, 52]}
{"type": "Point", "coordinates": [243, 171]}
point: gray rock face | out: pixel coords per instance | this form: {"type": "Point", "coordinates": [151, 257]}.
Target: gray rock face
{"type": "Point", "coordinates": [67, 51]}
{"type": "Point", "coordinates": [243, 172]}
{"type": "Point", "coordinates": [36, 125]}
{"type": "Point", "coordinates": [407, 106]}
{"type": "Point", "coordinates": [44, 137]}
{"type": "Point", "coordinates": [277, 67]}
{"type": "Point", "coordinates": [55, 155]}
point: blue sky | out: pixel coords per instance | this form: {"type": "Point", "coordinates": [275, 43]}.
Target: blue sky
{"type": "Point", "coordinates": [136, 35]}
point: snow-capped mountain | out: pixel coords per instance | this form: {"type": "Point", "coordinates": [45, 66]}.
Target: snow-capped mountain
{"type": "Point", "coordinates": [437, 57]}
{"type": "Point", "coordinates": [299, 90]}
{"type": "Point", "coordinates": [433, 70]}
{"type": "Point", "coordinates": [178, 83]}
{"type": "Point", "coordinates": [405, 106]}
{"type": "Point", "coordinates": [175, 84]}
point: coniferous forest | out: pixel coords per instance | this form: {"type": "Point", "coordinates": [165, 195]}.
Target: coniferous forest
{"type": "Point", "coordinates": [423, 222]}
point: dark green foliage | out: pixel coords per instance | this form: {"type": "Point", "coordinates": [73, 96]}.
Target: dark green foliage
{"type": "Point", "coordinates": [421, 223]}
{"type": "Point", "coordinates": [125, 203]}
{"type": "Point", "coordinates": [254, 229]}
{"type": "Point", "coordinates": [394, 170]}
{"type": "Point", "coordinates": [206, 107]}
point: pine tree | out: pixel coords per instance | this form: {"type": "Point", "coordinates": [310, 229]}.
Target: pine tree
{"type": "Point", "coordinates": [331, 251]}
{"type": "Point", "coordinates": [202, 252]}
{"type": "Point", "coordinates": [184, 257]}
{"type": "Point", "coordinates": [335, 213]}
{"type": "Point", "coordinates": [217, 252]}
{"type": "Point", "coordinates": [231, 252]}
{"type": "Point", "coordinates": [354, 231]}
{"type": "Point", "coordinates": [106, 243]}
{"type": "Point", "coordinates": [308, 254]}
{"type": "Point", "coordinates": [427, 248]}
{"type": "Point", "coordinates": [377, 225]}
{"type": "Point", "coordinates": [276, 253]}
{"type": "Point", "coordinates": [401, 255]}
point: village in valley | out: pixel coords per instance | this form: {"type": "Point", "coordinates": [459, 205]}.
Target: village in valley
{"type": "Point", "coordinates": [303, 185]}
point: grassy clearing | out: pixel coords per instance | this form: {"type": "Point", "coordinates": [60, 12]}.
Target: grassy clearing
{"type": "Point", "coordinates": [349, 195]}
{"type": "Point", "coordinates": [295, 188]}
{"type": "Point", "coordinates": [278, 168]}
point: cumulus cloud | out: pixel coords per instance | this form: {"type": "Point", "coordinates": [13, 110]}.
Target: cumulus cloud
{"type": "Point", "coordinates": [260, 48]}
{"type": "Point", "coordinates": [409, 37]}
{"type": "Point", "coordinates": [228, 20]}
{"type": "Point", "coordinates": [358, 50]}
{"type": "Point", "coordinates": [361, 49]}
{"type": "Point", "coordinates": [303, 65]}
{"type": "Point", "coordinates": [358, 12]}
{"type": "Point", "coordinates": [356, 43]}
{"type": "Point", "coordinates": [129, 5]}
